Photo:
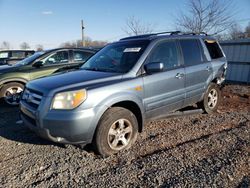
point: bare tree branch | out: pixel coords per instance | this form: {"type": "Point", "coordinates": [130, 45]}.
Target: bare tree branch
{"type": "Point", "coordinates": [88, 42]}
{"type": "Point", "coordinates": [134, 26]}
{"type": "Point", "coordinates": [212, 16]}
{"type": "Point", "coordinates": [5, 45]}
{"type": "Point", "coordinates": [24, 46]}
{"type": "Point", "coordinates": [39, 47]}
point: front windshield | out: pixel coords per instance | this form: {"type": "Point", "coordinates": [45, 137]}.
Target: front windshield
{"type": "Point", "coordinates": [118, 57]}
{"type": "Point", "coordinates": [29, 59]}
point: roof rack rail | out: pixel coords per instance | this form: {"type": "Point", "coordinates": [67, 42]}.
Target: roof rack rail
{"type": "Point", "coordinates": [151, 34]}
{"type": "Point", "coordinates": [162, 33]}
{"type": "Point", "coordinates": [191, 33]}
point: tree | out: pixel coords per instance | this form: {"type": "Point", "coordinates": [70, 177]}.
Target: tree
{"type": "Point", "coordinates": [39, 47]}
{"type": "Point", "coordinates": [88, 42]}
{"type": "Point", "coordinates": [236, 32]}
{"type": "Point", "coordinates": [24, 46]}
{"type": "Point", "coordinates": [135, 26]}
{"type": "Point", "coordinates": [5, 45]}
{"type": "Point", "coordinates": [247, 31]}
{"type": "Point", "coordinates": [211, 16]}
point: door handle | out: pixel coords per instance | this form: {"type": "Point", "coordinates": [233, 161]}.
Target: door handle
{"type": "Point", "coordinates": [179, 75]}
{"type": "Point", "coordinates": [208, 68]}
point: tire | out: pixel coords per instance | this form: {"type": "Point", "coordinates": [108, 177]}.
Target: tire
{"type": "Point", "coordinates": [117, 130]}
{"type": "Point", "coordinates": [211, 99]}
{"type": "Point", "coordinates": [11, 93]}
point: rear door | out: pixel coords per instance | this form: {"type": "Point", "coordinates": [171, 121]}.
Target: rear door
{"type": "Point", "coordinates": [51, 64]}
{"type": "Point", "coordinates": [197, 69]}
{"type": "Point", "coordinates": [164, 91]}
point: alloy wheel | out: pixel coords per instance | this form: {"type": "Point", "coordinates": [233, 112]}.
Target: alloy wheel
{"type": "Point", "coordinates": [212, 98]}
{"type": "Point", "coordinates": [120, 134]}
{"type": "Point", "coordinates": [12, 95]}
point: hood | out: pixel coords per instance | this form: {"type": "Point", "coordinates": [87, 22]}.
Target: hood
{"type": "Point", "coordinates": [70, 80]}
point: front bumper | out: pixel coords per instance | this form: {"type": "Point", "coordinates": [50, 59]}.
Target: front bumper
{"type": "Point", "coordinates": [68, 127]}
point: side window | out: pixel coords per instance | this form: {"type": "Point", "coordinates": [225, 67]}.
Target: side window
{"type": "Point", "coordinates": [18, 54]}
{"type": "Point", "coordinates": [191, 52]}
{"type": "Point", "coordinates": [80, 56]}
{"type": "Point", "coordinates": [166, 53]}
{"type": "Point", "coordinates": [214, 49]}
{"type": "Point", "coordinates": [4, 55]}
{"type": "Point", "coordinates": [57, 58]}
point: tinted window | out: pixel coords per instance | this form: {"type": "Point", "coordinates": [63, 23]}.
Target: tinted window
{"type": "Point", "coordinates": [29, 54]}
{"type": "Point", "coordinates": [57, 58]}
{"type": "Point", "coordinates": [18, 54]}
{"type": "Point", "coordinates": [80, 56]}
{"type": "Point", "coordinates": [191, 51]}
{"type": "Point", "coordinates": [29, 59]}
{"type": "Point", "coordinates": [165, 53]}
{"type": "Point", "coordinates": [118, 57]}
{"type": "Point", "coordinates": [214, 49]}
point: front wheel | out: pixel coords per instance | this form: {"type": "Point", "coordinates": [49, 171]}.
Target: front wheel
{"type": "Point", "coordinates": [116, 131]}
{"type": "Point", "coordinates": [11, 93]}
{"type": "Point", "coordinates": [211, 99]}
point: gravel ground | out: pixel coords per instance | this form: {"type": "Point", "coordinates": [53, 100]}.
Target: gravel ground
{"type": "Point", "coordinates": [193, 151]}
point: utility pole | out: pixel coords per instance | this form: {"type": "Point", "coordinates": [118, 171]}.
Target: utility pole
{"type": "Point", "coordinates": [82, 26]}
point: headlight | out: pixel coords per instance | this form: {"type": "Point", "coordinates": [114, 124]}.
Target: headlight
{"type": "Point", "coordinates": [69, 100]}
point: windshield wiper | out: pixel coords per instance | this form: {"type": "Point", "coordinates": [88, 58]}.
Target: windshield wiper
{"type": "Point", "coordinates": [91, 69]}
{"type": "Point", "coordinates": [99, 70]}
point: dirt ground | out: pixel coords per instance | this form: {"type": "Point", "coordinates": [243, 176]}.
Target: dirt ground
{"type": "Point", "coordinates": [199, 150]}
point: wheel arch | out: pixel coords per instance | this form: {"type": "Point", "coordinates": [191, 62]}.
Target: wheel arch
{"type": "Point", "coordinates": [134, 108]}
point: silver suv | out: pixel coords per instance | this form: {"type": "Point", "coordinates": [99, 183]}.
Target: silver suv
{"type": "Point", "coordinates": [126, 84]}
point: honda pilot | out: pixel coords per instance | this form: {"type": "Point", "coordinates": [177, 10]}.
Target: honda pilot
{"type": "Point", "coordinates": [128, 83]}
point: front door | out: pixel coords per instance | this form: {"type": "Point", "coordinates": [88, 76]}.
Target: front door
{"type": "Point", "coordinates": [164, 91]}
{"type": "Point", "coordinates": [51, 64]}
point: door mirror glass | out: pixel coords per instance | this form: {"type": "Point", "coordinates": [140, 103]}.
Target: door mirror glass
{"type": "Point", "coordinates": [38, 64]}
{"type": "Point", "coordinates": [154, 67]}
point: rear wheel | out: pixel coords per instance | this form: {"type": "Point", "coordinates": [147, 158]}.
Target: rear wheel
{"type": "Point", "coordinates": [211, 99]}
{"type": "Point", "coordinates": [11, 93]}
{"type": "Point", "coordinates": [116, 131]}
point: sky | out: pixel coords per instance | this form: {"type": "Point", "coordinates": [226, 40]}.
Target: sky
{"type": "Point", "coordinates": [52, 22]}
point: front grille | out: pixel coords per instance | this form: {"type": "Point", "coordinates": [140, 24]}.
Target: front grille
{"type": "Point", "coordinates": [32, 98]}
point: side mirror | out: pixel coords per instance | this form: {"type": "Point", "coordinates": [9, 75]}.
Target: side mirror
{"type": "Point", "coordinates": [38, 64]}
{"type": "Point", "coordinates": [154, 67]}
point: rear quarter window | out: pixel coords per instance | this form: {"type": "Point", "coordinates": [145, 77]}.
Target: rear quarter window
{"type": "Point", "coordinates": [213, 49]}
{"type": "Point", "coordinates": [191, 51]}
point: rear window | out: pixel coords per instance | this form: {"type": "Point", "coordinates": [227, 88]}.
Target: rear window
{"type": "Point", "coordinates": [214, 49]}
{"type": "Point", "coordinates": [191, 52]}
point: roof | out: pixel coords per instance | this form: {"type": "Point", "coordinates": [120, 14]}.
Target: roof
{"type": "Point", "coordinates": [17, 50]}
{"type": "Point", "coordinates": [72, 48]}
{"type": "Point", "coordinates": [168, 34]}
